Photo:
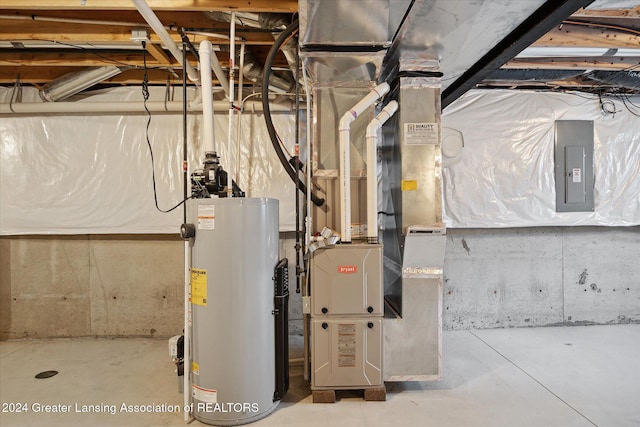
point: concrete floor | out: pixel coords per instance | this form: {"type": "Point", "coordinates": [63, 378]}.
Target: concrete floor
{"type": "Point", "coordinates": [562, 376]}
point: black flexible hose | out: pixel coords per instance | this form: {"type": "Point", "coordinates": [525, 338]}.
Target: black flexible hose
{"type": "Point", "coordinates": [267, 112]}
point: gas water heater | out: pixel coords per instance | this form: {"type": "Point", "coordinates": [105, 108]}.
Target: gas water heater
{"type": "Point", "coordinates": [238, 310]}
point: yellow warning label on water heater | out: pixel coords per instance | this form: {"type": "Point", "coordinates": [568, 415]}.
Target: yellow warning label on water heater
{"type": "Point", "coordinates": [409, 185]}
{"type": "Point", "coordinates": [198, 286]}
{"type": "Point", "coordinates": [195, 368]}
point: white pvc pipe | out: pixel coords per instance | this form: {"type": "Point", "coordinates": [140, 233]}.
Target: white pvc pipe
{"type": "Point", "coordinates": [217, 69]}
{"type": "Point", "coordinates": [344, 128]}
{"type": "Point", "coordinates": [186, 380]}
{"type": "Point", "coordinates": [373, 130]}
{"type": "Point", "coordinates": [126, 107]}
{"type": "Point", "coordinates": [205, 50]}
{"type": "Point", "coordinates": [159, 29]}
{"type": "Point", "coordinates": [239, 113]}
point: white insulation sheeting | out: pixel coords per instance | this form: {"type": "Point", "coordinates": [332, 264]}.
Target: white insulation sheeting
{"type": "Point", "coordinates": [91, 174]}
{"type": "Point", "coordinates": [506, 175]}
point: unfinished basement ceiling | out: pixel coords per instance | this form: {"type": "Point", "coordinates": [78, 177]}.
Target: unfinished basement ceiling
{"type": "Point", "coordinates": [595, 49]}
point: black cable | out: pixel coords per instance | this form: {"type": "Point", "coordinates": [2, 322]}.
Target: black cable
{"type": "Point", "coordinates": [145, 97]}
{"type": "Point", "coordinates": [267, 111]}
{"type": "Point", "coordinates": [607, 106]}
{"type": "Point", "coordinates": [385, 213]}
{"type": "Point", "coordinates": [185, 169]}
{"type": "Point", "coordinates": [628, 108]}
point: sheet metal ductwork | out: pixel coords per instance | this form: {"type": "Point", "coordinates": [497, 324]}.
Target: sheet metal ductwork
{"type": "Point", "coordinates": [72, 83]}
{"type": "Point", "coordinates": [625, 79]}
{"type": "Point", "coordinates": [267, 21]}
{"type": "Point", "coordinates": [254, 70]}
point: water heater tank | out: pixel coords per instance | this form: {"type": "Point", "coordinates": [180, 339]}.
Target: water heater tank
{"type": "Point", "coordinates": [234, 253]}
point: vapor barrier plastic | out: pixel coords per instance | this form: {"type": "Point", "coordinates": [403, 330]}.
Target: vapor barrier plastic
{"type": "Point", "coordinates": [90, 174]}
{"type": "Point", "coordinates": [506, 175]}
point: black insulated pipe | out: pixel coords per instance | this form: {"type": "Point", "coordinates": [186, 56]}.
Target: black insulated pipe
{"type": "Point", "coordinates": [267, 112]}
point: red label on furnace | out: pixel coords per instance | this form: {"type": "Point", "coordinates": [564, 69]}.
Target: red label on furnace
{"type": "Point", "coordinates": [347, 269]}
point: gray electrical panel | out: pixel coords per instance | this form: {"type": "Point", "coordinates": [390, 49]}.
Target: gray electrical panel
{"type": "Point", "coordinates": [574, 165]}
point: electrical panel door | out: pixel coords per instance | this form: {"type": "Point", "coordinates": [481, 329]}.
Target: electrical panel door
{"type": "Point", "coordinates": [574, 166]}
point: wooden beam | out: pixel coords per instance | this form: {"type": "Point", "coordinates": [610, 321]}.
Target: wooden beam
{"type": "Point", "coordinates": [568, 83]}
{"type": "Point", "coordinates": [18, 30]}
{"type": "Point", "coordinates": [42, 75]}
{"type": "Point", "coordinates": [189, 19]}
{"type": "Point", "coordinates": [92, 58]}
{"type": "Point", "coordinates": [607, 13]}
{"type": "Point", "coordinates": [159, 55]}
{"type": "Point", "coordinates": [37, 75]}
{"type": "Point", "coordinates": [611, 63]}
{"type": "Point", "coordinates": [71, 59]}
{"type": "Point", "coordinates": [281, 6]}
{"type": "Point", "coordinates": [582, 36]}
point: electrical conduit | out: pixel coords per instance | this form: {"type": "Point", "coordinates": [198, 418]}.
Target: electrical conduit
{"type": "Point", "coordinates": [344, 128]}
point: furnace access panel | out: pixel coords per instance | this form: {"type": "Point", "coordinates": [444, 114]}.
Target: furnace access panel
{"type": "Point", "coordinates": [347, 352]}
{"type": "Point", "coordinates": [346, 280]}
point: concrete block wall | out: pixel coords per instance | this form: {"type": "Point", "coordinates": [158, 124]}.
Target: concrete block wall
{"type": "Point", "coordinates": [130, 285]}
{"type": "Point", "coordinates": [70, 286]}
{"type": "Point", "coordinates": [543, 276]}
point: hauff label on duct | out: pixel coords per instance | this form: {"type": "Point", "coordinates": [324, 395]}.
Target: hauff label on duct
{"type": "Point", "coordinates": [347, 269]}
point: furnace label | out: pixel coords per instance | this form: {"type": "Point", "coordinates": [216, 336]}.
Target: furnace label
{"type": "Point", "coordinates": [421, 133]}
{"type": "Point", "coordinates": [346, 345]}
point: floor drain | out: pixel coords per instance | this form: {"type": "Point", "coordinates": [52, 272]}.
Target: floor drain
{"type": "Point", "coordinates": [46, 374]}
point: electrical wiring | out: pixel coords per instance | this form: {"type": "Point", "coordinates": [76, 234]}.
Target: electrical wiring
{"type": "Point", "coordinates": [293, 173]}
{"type": "Point", "coordinates": [624, 101]}
{"type": "Point", "coordinates": [252, 95]}
{"type": "Point", "coordinates": [145, 97]}
{"type": "Point", "coordinates": [106, 58]}
{"type": "Point", "coordinates": [607, 106]}
{"type": "Point", "coordinates": [15, 93]}
{"type": "Point", "coordinates": [91, 51]}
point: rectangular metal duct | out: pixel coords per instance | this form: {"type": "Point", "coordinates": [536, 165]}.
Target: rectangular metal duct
{"type": "Point", "coordinates": [454, 34]}
{"type": "Point", "coordinates": [350, 22]}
